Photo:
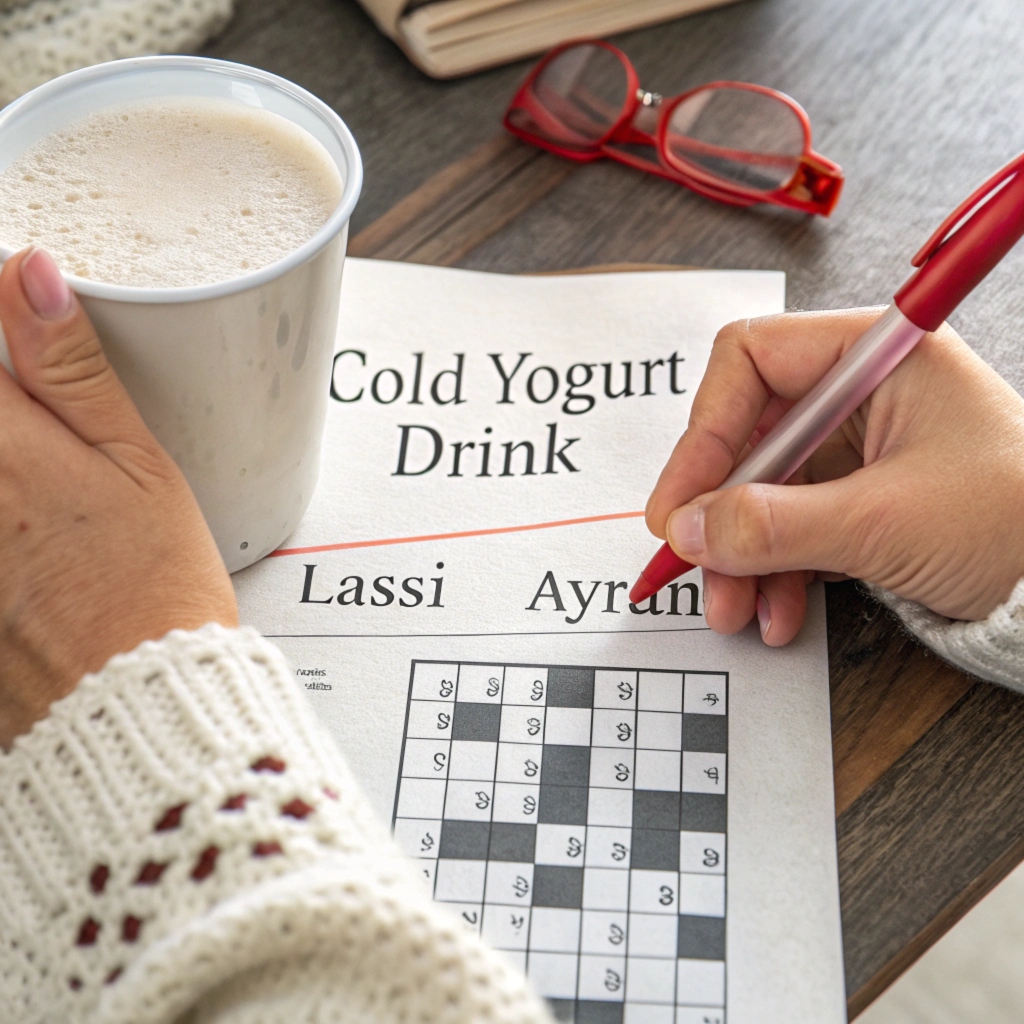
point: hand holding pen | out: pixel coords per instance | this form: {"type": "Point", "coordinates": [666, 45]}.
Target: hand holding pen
{"type": "Point", "coordinates": [917, 488]}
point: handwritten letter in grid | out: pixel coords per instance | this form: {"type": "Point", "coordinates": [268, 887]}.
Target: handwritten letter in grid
{"type": "Point", "coordinates": [576, 818]}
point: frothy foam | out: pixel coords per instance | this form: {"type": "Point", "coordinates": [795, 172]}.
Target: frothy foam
{"type": "Point", "coordinates": [170, 193]}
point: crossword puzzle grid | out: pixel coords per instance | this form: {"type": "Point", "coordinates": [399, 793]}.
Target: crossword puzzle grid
{"type": "Point", "coordinates": [576, 818]}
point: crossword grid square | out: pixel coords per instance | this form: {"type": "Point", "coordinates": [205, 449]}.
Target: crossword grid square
{"type": "Point", "coordinates": [576, 817]}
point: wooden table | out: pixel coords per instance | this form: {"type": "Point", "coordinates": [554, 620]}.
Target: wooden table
{"type": "Point", "coordinates": [917, 101]}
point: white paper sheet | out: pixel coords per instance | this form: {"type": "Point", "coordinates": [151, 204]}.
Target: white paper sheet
{"type": "Point", "coordinates": [415, 567]}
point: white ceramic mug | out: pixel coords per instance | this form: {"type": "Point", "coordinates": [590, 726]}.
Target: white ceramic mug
{"type": "Point", "coordinates": [232, 378]}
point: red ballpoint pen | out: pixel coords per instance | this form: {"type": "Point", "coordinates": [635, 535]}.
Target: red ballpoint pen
{"type": "Point", "coordinates": [967, 245]}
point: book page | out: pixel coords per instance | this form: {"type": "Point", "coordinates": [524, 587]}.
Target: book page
{"type": "Point", "coordinates": [636, 811]}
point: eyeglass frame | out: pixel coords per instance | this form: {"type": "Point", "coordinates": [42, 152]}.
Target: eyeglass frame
{"type": "Point", "coordinates": [814, 173]}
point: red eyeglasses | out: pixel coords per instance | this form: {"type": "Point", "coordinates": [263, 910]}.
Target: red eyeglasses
{"type": "Point", "coordinates": [731, 141]}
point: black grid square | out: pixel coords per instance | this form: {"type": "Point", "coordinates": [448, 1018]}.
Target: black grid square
{"type": "Point", "coordinates": [513, 842]}
{"type": "Point", "coordinates": [476, 721]}
{"type": "Point", "coordinates": [464, 840]}
{"type": "Point", "coordinates": [655, 849]}
{"type": "Point", "coordinates": [708, 733]}
{"type": "Point", "coordinates": [563, 1010]}
{"type": "Point", "coordinates": [655, 809]}
{"type": "Point", "coordinates": [701, 938]}
{"type": "Point", "coordinates": [557, 886]}
{"type": "Point", "coordinates": [593, 1011]}
{"type": "Point", "coordinates": [566, 766]}
{"type": "Point", "coordinates": [562, 805]}
{"type": "Point", "coordinates": [703, 812]}
{"type": "Point", "coordinates": [570, 687]}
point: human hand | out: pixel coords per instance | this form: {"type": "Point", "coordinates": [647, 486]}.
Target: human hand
{"type": "Point", "coordinates": [920, 491]}
{"type": "Point", "coordinates": [102, 544]}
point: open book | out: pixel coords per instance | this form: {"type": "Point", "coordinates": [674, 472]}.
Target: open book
{"type": "Point", "coordinates": [445, 38]}
{"type": "Point", "coordinates": [636, 811]}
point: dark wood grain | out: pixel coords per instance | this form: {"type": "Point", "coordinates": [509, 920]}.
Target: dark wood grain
{"type": "Point", "coordinates": [917, 101]}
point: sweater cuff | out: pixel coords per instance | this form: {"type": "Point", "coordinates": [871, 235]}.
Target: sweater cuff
{"type": "Point", "coordinates": [181, 776]}
{"type": "Point", "coordinates": [991, 649]}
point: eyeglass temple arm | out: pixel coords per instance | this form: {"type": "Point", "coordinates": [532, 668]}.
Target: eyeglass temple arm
{"type": "Point", "coordinates": [818, 182]}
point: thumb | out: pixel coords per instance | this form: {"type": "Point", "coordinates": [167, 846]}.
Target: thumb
{"type": "Point", "coordinates": [57, 356]}
{"type": "Point", "coordinates": [758, 529]}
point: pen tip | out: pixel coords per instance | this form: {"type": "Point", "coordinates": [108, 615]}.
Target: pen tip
{"type": "Point", "coordinates": [642, 590]}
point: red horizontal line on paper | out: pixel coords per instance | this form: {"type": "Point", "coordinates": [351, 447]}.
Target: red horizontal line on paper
{"type": "Point", "coordinates": [459, 535]}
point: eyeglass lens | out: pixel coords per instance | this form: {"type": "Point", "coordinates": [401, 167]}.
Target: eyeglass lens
{"type": "Point", "coordinates": [743, 137]}
{"type": "Point", "coordinates": [583, 91]}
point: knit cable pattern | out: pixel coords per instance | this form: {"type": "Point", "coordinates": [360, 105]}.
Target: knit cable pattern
{"type": "Point", "coordinates": [178, 837]}
{"type": "Point", "coordinates": [42, 39]}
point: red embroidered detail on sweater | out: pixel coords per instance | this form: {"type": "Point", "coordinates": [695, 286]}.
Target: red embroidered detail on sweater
{"type": "Point", "coordinates": [98, 878]}
{"type": "Point", "coordinates": [130, 928]}
{"type": "Point", "coordinates": [74, 984]}
{"type": "Point", "coordinates": [235, 803]}
{"type": "Point", "coordinates": [297, 809]}
{"type": "Point", "coordinates": [113, 976]}
{"type": "Point", "coordinates": [330, 793]}
{"type": "Point", "coordinates": [170, 820]}
{"type": "Point", "coordinates": [269, 764]}
{"type": "Point", "coordinates": [88, 932]}
{"type": "Point", "coordinates": [266, 849]}
{"type": "Point", "coordinates": [150, 873]}
{"type": "Point", "coordinates": [205, 864]}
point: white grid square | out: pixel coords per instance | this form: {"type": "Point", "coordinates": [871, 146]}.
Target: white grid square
{"type": "Point", "coordinates": [568, 727]}
{"type": "Point", "coordinates": [516, 802]}
{"type": "Point", "coordinates": [659, 730]}
{"type": "Point", "coordinates": [555, 930]}
{"type": "Point", "coordinates": [704, 694]}
{"type": "Point", "coordinates": [610, 806]}
{"type": "Point", "coordinates": [506, 927]}
{"type": "Point", "coordinates": [472, 759]}
{"type": "Point", "coordinates": [657, 769]}
{"type": "Point", "coordinates": [700, 983]}
{"type": "Point", "coordinates": [611, 768]}
{"type": "Point", "coordinates": [703, 773]}
{"type": "Point", "coordinates": [521, 724]}
{"type": "Point", "coordinates": [553, 974]}
{"type": "Point", "coordinates": [605, 889]}
{"type": "Point", "coordinates": [421, 798]}
{"type": "Point", "coordinates": [700, 1015]}
{"type": "Point", "coordinates": [648, 1013]}
{"type": "Point", "coordinates": [703, 895]}
{"type": "Point", "coordinates": [604, 932]}
{"type": "Point", "coordinates": [614, 727]}
{"type": "Point", "coordinates": [460, 881]}
{"type": "Point", "coordinates": [608, 847]}
{"type": "Point", "coordinates": [702, 852]}
{"type": "Point", "coordinates": [425, 759]}
{"type": "Point", "coordinates": [468, 801]}
{"type": "Point", "coordinates": [480, 684]}
{"type": "Point", "coordinates": [654, 892]}
{"type": "Point", "coordinates": [653, 981]}
{"type": "Point", "coordinates": [614, 689]}
{"type": "Point", "coordinates": [660, 691]}
{"type": "Point", "coordinates": [509, 883]}
{"type": "Point", "coordinates": [517, 958]}
{"type": "Point", "coordinates": [602, 978]}
{"type": "Point", "coordinates": [469, 915]}
{"type": "Point", "coordinates": [418, 837]}
{"type": "Point", "coordinates": [561, 844]}
{"type": "Point", "coordinates": [428, 872]}
{"type": "Point", "coordinates": [524, 685]}
{"type": "Point", "coordinates": [434, 682]}
{"type": "Point", "coordinates": [430, 719]}
{"type": "Point", "coordinates": [653, 935]}
{"type": "Point", "coordinates": [519, 762]}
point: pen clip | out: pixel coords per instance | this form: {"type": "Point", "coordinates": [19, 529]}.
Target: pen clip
{"type": "Point", "coordinates": [945, 229]}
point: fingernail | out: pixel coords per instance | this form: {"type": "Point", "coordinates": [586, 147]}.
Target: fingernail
{"type": "Point", "coordinates": [686, 529]}
{"type": "Point", "coordinates": [47, 291]}
{"type": "Point", "coordinates": [764, 616]}
{"type": "Point", "coordinates": [707, 601]}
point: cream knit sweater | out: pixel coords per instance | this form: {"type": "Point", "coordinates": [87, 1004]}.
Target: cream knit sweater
{"type": "Point", "coordinates": [179, 842]}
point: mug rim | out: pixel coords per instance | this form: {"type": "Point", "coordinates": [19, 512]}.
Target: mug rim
{"type": "Point", "coordinates": [218, 289]}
